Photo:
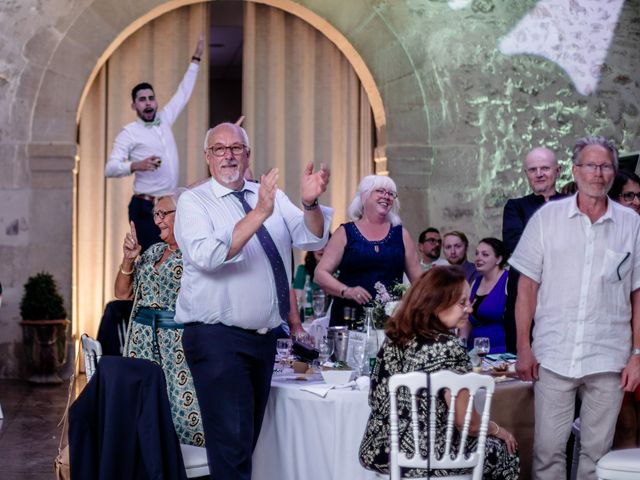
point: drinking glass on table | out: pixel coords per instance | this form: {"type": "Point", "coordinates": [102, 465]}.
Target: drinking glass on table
{"type": "Point", "coordinates": [482, 346]}
{"type": "Point", "coordinates": [325, 349]}
{"type": "Point", "coordinates": [319, 300]}
{"type": "Point", "coordinates": [283, 348]}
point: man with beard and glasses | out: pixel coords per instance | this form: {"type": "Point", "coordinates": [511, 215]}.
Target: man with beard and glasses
{"type": "Point", "coordinates": [579, 264]}
{"type": "Point", "coordinates": [147, 149]}
{"type": "Point", "coordinates": [429, 248]}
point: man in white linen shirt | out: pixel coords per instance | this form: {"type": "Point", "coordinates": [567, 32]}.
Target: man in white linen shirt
{"type": "Point", "coordinates": [147, 149]}
{"type": "Point", "coordinates": [230, 298]}
{"type": "Point", "coordinates": [579, 264]}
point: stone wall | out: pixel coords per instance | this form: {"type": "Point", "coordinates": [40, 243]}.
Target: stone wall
{"type": "Point", "coordinates": [460, 114]}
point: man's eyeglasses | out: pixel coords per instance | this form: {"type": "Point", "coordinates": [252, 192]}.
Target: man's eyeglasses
{"type": "Point", "coordinates": [219, 150]}
{"type": "Point", "coordinates": [161, 213]}
{"type": "Point", "coordinates": [629, 196]}
{"type": "Point", "coordinates": [433, 240]}
{"type": "Point", "coordinates": [593, 168]}
{"type": "Point", "coordinates": [384, 192]}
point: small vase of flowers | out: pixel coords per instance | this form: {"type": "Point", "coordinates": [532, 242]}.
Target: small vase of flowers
{"type": "Point", "coordinates": [386, 302]}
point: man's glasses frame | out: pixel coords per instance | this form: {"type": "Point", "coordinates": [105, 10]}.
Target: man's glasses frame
{"type": "Point", "coordinates": [593, 167]}
{"type": "Point", "coordinates": [218, 150]}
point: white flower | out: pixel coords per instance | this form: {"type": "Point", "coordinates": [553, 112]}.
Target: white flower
{"type": "Point", "coordinates": [391, 307]}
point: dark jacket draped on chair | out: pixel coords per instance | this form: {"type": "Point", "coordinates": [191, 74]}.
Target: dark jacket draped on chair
{"type": "Point", "coordinates": [120, 426]}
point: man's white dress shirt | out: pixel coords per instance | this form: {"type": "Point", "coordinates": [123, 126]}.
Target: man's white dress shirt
{"type": "Point", "coordinates": [136, 142]}
{"type": "Point", "coordinates": [240, 291]}
{"type": "Point", "coordinates": [586, 274]}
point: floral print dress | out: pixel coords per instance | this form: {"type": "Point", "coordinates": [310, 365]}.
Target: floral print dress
{"type": "Point", "coordinates": [157, 288]}
{"type": "Point", "coordinates": [426, 355]}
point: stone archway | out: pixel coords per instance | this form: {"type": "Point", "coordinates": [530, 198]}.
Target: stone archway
{"type": "Point", "coordinates": [100, 28]}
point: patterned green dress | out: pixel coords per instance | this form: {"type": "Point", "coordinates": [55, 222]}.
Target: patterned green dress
{"type": "Point", "coordinates": [157, 288]}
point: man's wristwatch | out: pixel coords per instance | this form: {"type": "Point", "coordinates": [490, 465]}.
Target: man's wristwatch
{"type": "Point", "coordinates": [313, 206]}
{"type": "Point", "coordinates": [635, 351]}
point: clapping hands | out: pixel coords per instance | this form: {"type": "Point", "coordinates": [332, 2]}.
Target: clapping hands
{"type": "Point", "coordinates": [313, 183]}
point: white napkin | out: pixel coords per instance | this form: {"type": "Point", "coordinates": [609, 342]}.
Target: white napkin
{"type": "Point", "coordinates": [322, 389]}
{"type": "Point", "coordinates": [363, 383]}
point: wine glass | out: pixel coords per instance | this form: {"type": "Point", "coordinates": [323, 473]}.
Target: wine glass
{"type": "Point", "coordinates": [325, 349]}
{"type": "Point", "coordinates": [319, 299]}
{"type": "Point", "coordinates": [482, 346]}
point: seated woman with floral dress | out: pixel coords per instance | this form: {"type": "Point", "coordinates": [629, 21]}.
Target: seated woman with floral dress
{"type": "Point", "coordinates": [418, 339]}
{"type": "Point", "coordinates": [152, 281]}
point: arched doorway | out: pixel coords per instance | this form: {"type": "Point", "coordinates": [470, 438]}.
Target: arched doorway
{"type": "Point", "coordinates": [341, 126]}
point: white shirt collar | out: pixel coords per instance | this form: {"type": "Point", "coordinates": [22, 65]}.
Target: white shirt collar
{"type": "Point", "coordinates": [574, 210]}
{"type": "Point", "coordinates": [220, 190]}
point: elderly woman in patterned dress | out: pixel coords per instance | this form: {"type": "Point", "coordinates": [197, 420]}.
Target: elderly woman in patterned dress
{"type": "Point", "coordinates": [418, 339]}
{"type": "Point", "coordinates": [152, 280]}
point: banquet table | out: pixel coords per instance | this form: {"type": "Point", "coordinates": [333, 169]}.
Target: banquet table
{"type": "Point", "coordinates": [305, 436]}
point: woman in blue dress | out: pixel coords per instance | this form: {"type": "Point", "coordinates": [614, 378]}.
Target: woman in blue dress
{"type": "Point", "coordinates": [373, 247]}
{"type": "Point", "coordinates": [488, 294]}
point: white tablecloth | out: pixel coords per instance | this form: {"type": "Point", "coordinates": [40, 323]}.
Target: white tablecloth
{"type": "Point", "coordinates": [306, 437]}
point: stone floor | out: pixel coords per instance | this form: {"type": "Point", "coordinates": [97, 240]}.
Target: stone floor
{"type": "Point", "coordinates": [29, 434]}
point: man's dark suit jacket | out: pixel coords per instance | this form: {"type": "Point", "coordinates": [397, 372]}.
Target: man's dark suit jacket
{"type": "Point", "coordinates": [120, 426]}
{"type": "Point", "coordinates": [515, 216]}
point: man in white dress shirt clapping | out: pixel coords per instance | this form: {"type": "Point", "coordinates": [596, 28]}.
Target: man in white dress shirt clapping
{"type": "Point", "coordinates": [236, 238]}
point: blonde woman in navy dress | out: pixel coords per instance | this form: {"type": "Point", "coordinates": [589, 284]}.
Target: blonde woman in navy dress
{"type": "Point", "coordinates": [373, 247]}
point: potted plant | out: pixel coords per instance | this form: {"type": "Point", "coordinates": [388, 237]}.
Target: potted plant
{"type": "Point", "coordinates": [44, 328]}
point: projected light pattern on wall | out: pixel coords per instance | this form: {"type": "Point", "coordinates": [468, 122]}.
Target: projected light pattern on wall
{"type": "Point", "coordinates": [575, 34]}
{"type": "Point", "coordinates": [537, 72]}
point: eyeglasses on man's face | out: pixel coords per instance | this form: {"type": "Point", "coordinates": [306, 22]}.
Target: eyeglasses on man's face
{"type": "Point", "coordinates": [388, 193]}
{"type": "Point", "coordinates": [629, 196]}
{"type": "Point", "coordinates": [593, 167]}
{"type": "Point", "coordinates": [433, 240]}
{"type": "Point", "coordinates": [219, 149]}
{"type": "Point", "coordinates": [162, 213]}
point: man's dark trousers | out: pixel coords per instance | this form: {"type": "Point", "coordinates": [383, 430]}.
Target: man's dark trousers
{"type": "Point", "coordinates": [231, 370]}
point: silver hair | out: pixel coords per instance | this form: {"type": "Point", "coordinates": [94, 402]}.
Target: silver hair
{"type": "Point", "coordinates": [595, 140]}
{"type": "Point", "coordinates": [243, 132]}
{"type": "Point", "coordinates": [367, 185]}
{"type": "Point", "coordinates": [173, 196]}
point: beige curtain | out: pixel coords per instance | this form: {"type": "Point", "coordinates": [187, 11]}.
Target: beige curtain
{"type": "Point", "coordinates": [158, 53]}
{"type": "Point", "coordinates": [303, 102]}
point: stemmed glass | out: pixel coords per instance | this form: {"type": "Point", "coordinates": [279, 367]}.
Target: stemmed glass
{"type": "Point", "coordinates": [325, 349]}
{"type": "Point", "coordinates": [482, 346]}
